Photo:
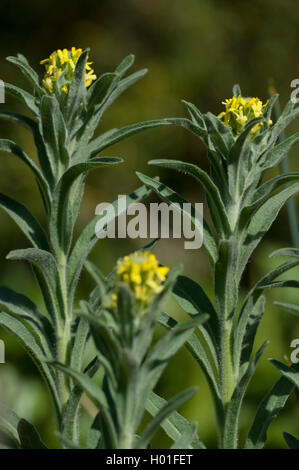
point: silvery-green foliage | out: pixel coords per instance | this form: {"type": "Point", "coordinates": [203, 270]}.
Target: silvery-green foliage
{"type": "Point", "coordinates": [242, 208]}
{"type": "Point", "coordinates": [132, 365]}
{"type": "Point", "coordinates": [63, 127]}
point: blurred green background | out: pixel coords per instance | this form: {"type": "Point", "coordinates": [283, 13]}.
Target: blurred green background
{"type": "Point", "coordinates": [194, 50]}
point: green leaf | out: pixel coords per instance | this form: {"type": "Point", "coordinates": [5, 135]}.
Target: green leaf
{"type": "Point", "coordinates": [172, 341]}
{"type": "Point", "coordinates": [61, 220]}
{"type": "Point", "coordinates": [77, 90]}
{"type": "Point", "coordinates": [268, 410]}
{"type": "Point", "coordinates": [275, 155]}
{"type": "Point", "coordinates": [88, 238]}
{"type": "Point", "coordinates": [289, 307]}
{"type": "Point", "coordinates": [125, 64]}
{"type": "Point", "coordinates": [17, 118]}
{"type": "Point", "coordinates": [54, 133]}
{"type": "Point", "coordinates": [219, 132]}
{"type": "Point", "coordinates": [26, 98]}
{"type": "Point", "coordinates": [122, 86]}
{"type": "Point", "coordinates": [46, 267]}
{"type": "Point", "coordinates": [231, 426]}
{"type": "Point", "coordinates": [12, 147]}
{"type": "Point", "coordinates": [193, 345]}
{"type": "Point", "coordinates": [244, 334]}
{"type": "Point", "coordinates": [175, 425]}
{"type": "Point", "coordinates": [86, 383]}
{"type": "Point", "coordinates": [218, 210]}
{"type": "Point", "coordinates": [193, 300]}
{"type": "Point", "coordinates": [174, 403]}
{"type": "Point", "coordinates": [185, 440]}
{"type": "Point", "coordinates": [70, 424]}
{"type": "Point", "coordinates": [237, 90]}
{"type": "Point", "coordinates": [21, 62]}
{"type": "Point", "coordinates": [107, 139]}
{"type": "Point", "coordinates": [291, 441]}
{"type": "Point", "coordinates": [290, 373]}
{"type": "Point", "coordinates": [292, 252]}
{"type": "Point", "coordinates": [29, 436]}
{"type": "Point", "coordinates": [25, 220]}
{"type": "Point", "coordinates": [98, 91]}
{"type": "Point", "coordinates": [261, 222]}
{"type": "Point", "coordinates": [28, 341]}
{"type": "Point", "coordinates": [25, 309]}
{"type": "Point", "coordinates": [265, 189]}
{"type": "Point", "coordinates": [9, 422]}
{"type": "Point", "coordinates": [171, 197]}
{"type": "Point", "coordinates": [226, 287]}
{"type": "Point", "coordinates": [78, 346]}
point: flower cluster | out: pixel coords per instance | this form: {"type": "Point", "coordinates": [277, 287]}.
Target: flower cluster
{"type": "Point", "coordinates": [64, 61]}
{"type": "Point", "coordinates": [143, 275]}
{"type": "Point", "coordinates": [239, 111]}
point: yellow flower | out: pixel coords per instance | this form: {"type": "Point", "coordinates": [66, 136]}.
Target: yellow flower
{"type": "Point", "coordinates": [239, 111]}
{"type": "Point", "coordinates": [142, 273]}
{"type": "Point", "coordinates": [64, 61]}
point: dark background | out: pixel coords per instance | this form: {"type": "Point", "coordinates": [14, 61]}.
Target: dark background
{"type": "Point", "coordinates": [194, 50]}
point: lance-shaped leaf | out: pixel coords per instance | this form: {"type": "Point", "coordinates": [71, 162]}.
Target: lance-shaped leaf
{"type": "Point", "coordinates": [194, 346]}
{"type": "Point", "coordinates": [219, 132]}
{"type": "Point", "coordinates": [175, 425]}
{"type": "Point", "coordinates": [86, 383]}
{"type": "Point", "coordinates": [268, 410]}
{"type": "Point", "coordinates": [125, 65]}
{"type": "Point", "coordinates": [172, 197]}
{"type": "Point", "coordinates": [88, 238]}
{"type": "Point", "coordinates": [17, 118]}
{"type": "Point", "coordinates": [61, 221]}
{"type": "Point", "coordinates": [29, 437]}
{"type": "Point", "coordinates": [12, 147]}
{"type": "Point", "coordinates": [245, 332]}
{"type": "Point", "coordinates": [238, 160]}
{"type": "Point", "coordinates": [77, 90]}
{"type": "Point", "coordinates": [174, 403]}
{"type": "Point", "coordinates": [70, 424]}
{"type": "Point", "coordinates": [26, 221]}
{"type": "Point", "coordinates": [98, 91]}
{"type": "Point", "coordinates": [27, 340]}
{"type": "Point", "coordinates": [45, 264]}
{"type": "Point", "coordinates": [116, 135]}
{"type": "Point", "coordinates": [186, 439]}
{"type": "Point", "coordinates": [275, 155]}
{"type": "Point", "coordinates": [290, 251]}
{"type": "Point", "coordinates": [266, 189]}
{"type": "Point", "coordinates": [217, 207]}
{"type": "Point", "coordinates": [21, 62]}
{"type": "Point", "coordinates": [54, 133]}
{"type": "Point", "coordinates": [122, 86]}
{"type": "Point", "coordinates": [261, 222]}
{"type": "Point", "coordinates": [26, 98]}
{"type": "Point", "coordinates": [226, 287]}
{"type": "Point", "coordinates": [291, 441]}
{"type": "Point", "coordinates": [292, 308]}
{"type": "Point", "coordinates": [193, 300]}
{"type": "Point", "coordinates": [25, 309]}
{"type": "Point", "coordinates": [231, 425]}
{"type": "Point", "coordinates": [290, 372]}
{"type": "Point", "coordinates": [9, 421]}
